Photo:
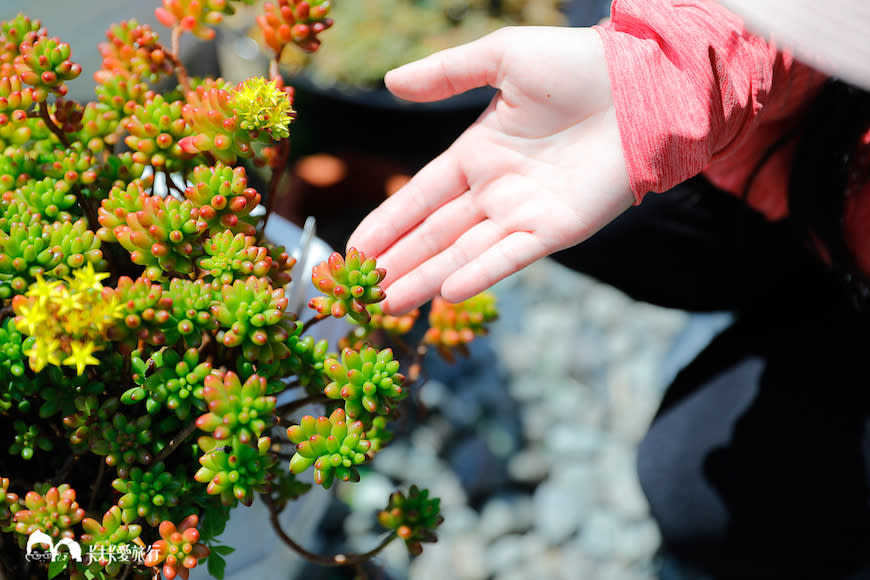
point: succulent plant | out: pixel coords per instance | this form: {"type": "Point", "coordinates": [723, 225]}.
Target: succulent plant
{"type": "Point", "coordinates": [8, 502]}
{"type": "Point", "coordinates": [108, 538]}
{"type": "Point", "coordinates": [124, 443]}
{"type": "Point", "coordinates": [161, 236]}
{"type": "Point", "coordinates": [178, 549]}
{"type": "Point", "coordinates": [413, 517]}
{"type": "Point", "coordinates": [53, 513]}
{"type": "Point", "coordinates": [155, 128]}
{"type": "Point", "coordinates": [235, 409]}
{"type": "Point", "coordinates": [44, 64]}
{"type": "Point", "coordinates": [215, 128]}
{"type": "Point", "coordinates": [48, 249]}
{"type": "Point", "coordinates": [297, 21]}
{"type": "Point", "coordinates": [348, 285]}
{"type": "Point", "coordinates": [368, 381]}
{"type": "Point", "coordinates": [234, 471]}
{"type": "Point", "coordinates": [332, 445]}
{"type": "Point", "coordinates": [170, 379]}
{"type": "Point", "coordinates": [195, 16]}
{"type": "Point", "coordinates": [140, 300]}
{"type": "Point", "coordinates": [251, 316]}
{"type": "Point", "coordinates": [149, 495]}
{"type": "Point", "coordinates": [27, 439]}
{"type": "Point", "coordinates": [229, 257]}
{"type": "Point", "coordinates": [146, 311]}
{"type": "Point", "coordinates": [454, 326]}
{"type": "Point", "coordinates": [133, 52]}
{"type": "Point", "coordinates": [307, 359]}
{"type": "Point", "coordinates": [223, 197]}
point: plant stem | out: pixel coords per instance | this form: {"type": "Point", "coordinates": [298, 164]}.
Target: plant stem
{"type": "Point", "coordinates": [297, 404]}
{"type": "Point", "coordinates": [64, 469]}
{"type": "Point", "coordinates": [172, 55]}
{"type": "Point", "coordinates": [96, 486]}
{"type": "Point", "coordinates": [311, 322]}
{"type": "Point", "coordinates": [174, 443]}
{"type": "Point", "coordinates": [127, 569]}
{"type": "Point", "coordinates": [278, 171]}
{"type": "Point", "coordinates": [46, 116]}
{"type": "Point", "coordinates": [320, 559]}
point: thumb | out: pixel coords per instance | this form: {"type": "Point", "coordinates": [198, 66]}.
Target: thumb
{"type": "Point", "coordinates": [451, 71]}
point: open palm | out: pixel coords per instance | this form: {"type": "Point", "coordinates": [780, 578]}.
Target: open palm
{"type": "Point", "coordinates": [540, 170]}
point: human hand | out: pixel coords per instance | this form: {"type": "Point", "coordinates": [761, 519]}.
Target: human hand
{"type": "Point", "coordinates": [541, 169]}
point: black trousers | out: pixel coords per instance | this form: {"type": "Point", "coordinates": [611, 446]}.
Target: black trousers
{"type": "Point", "coordinates": [757, 464]}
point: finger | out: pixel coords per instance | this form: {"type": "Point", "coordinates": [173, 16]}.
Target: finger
{"type": "Point", "coordinates": [425, 281]}
{"type": "Point", "coordinates": [433, 186]}
{"type": "Point", "coordinates": [507, 256]}
{"type": "Point", "coordinates": [451, 71]}
{"type": "Point", "coordinates": [432, 236]}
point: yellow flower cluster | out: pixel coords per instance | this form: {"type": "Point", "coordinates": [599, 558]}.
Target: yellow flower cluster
{"type": "Point", "coordinates": [261, 105]}
{"type": "Point", "coordinates": [67, 319]}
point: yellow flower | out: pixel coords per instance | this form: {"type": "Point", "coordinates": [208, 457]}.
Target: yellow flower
{"type": "Point", "coordinates": [86, 279]}
{"type": "Point", "coordinates": [261, 106]}
{"type": "Point", "coordinates": [43, 291]}
{"type": "Point", "coordinates": [67, 302]}
{"type": "Point", "coordinates": [82, 356]}
{"type": "Point", "coordinates": [31, 316]}
{"type": "Point", "coordinates": [43, 352]}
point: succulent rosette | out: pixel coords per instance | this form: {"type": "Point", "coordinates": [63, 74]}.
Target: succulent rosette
{"type": "Point", "coordinates": [109, 538]}
{"type": "Point", "coordinates": [235, 471]}
{"type": "Point", "coordinates": [146, 310]}
{"type": "Point", "coordinates": [413, 517]}
{"type": "Point", "coordinates": [73, 166]}
{"type": "Point", "coordinates": [155, 128]}
{"type": "Point", "coordinates": [178, 549]}
{"type": "Point", "coordinates": [149, 495]}
{"type": "Point", "coordinates": [48, 197]}
{"type": "Point", "coordinates": [454, 326]}
{"type": "Point", "coordinates": [44, 64]}
{"type": "Point", "coordinates": [170, 379]}
{"type": "Point", "coordinates": [223, 197]}
{"type": "Point", "coordinates": [120, 202]}
{"type": "Point", "coordinates": [214, 125]}
{"type": "Point", "coordinates": [195, 16]}
{"type": "Point", "coordinates": [228, 257]}
{"type": "Point", "coordinates": [133, 52]}
{"type": "Point", "coordinates": [54, 513]}
{"type": "Point", "coordinates": [235, 409]}
{"type": "Point", "coordinates": [14, 32]}
{"type": "Point", "coordinates": [27, 439]}
{"type": "Point", "coordinates": [307, 360]}
{"type": "Point", "coordinates": [8, 502]}
{"type": "Point", "coordinates": [124, 442]}
{"type": "Point", "coordinates": [16, 99]}
{"type": "Point", "coordinates": [332, 445]}
{"type": "Point", "coordinates": [162, 235]}
{"type": "Point", "coordinates": [190, 314]}
{"type": "Point", "coordinates": [296, 21]}
{"type": "Point", "coordinates": [48, 249]}
{"type": "Point", "coordinates": [348, 284]}
{"type": "Point", "coordinates": [251, 315]}
{"type": "Point", "coordinates": [368, 381]}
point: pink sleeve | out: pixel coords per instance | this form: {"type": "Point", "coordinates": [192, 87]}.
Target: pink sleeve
{"type": "Point", "coordinates": [688, 83]}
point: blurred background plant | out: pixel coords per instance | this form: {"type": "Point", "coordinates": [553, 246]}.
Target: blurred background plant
{"type": "Point", "coordinates": [378, 35]}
